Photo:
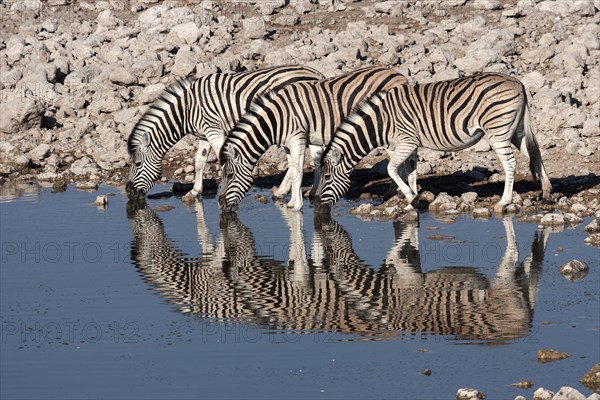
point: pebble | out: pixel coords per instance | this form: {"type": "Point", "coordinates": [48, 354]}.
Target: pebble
{"type": "Point", "coordinates": [592, 227]}
{"type": "Point", "coordinates": [163, 208]}
{"type": "Point", "coordinates": [568, 393]}
{"type": "Point", "coordinates": [92, 186]}
{"type": "Point", "coordinates": [59, 186]}
{"type": "Point", "coordinates": [592, 378]}
{"type": "Point", "coordinates": [549, 355]}
{"type": "Point", "coordinates": [523, 384]}
{"type": "Point", "coordinates": [553, 219]}
{"type": "Point", "coordinates": [482, 213]}
{"type": "Point", "coordinates": [593, 239]}
{"type": "Point", "coordinates": [262, 199]}
{"type": "Point", "coordinates": [542, 394]}
{"type": "Point", "coordinates": [572, 219]}
{"type": "Point", "coordinates": [469, 394]}
{"type": "Point", "coordinates": [365, 208]}
{"type": "Point", "coordinates": [101, 200]}
{"type": "Point", "coordinates": [574, 270]}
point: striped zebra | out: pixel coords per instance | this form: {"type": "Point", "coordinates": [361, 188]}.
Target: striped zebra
{"type": "Point", "coordinates": [448, 116]}
{"type": "Point", "coordinates": [208, 108]}
{"type": "Point", "coordinates": [457, 301]}
{"type": "Point", "coordinates": [301, 114]}
{"type": "Point", "coordinates": [335, 291]}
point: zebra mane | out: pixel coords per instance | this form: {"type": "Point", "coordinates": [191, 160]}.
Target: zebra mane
{"type": "Point", "coordinates": [170, 95]}
{"type": "Point", "coordinates": [262, 100]}
{"type": "Point", "coordinates": [248, 118]}
{"type": "Point", "coordinates": [363, 107]}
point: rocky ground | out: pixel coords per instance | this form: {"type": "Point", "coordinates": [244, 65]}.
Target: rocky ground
{"type": "Point", "coordinates": [75, 76]}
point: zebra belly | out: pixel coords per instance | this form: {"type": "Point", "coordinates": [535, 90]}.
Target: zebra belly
{"type": "Point", "coordinates": [451, 143]}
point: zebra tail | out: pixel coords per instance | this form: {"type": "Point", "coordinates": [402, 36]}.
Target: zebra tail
{"type": "Point", "coordinates": [533, 148]}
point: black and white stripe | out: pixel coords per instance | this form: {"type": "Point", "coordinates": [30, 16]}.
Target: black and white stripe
{"type": "Point", "coordinates": [230, 279]}
{"type": "Point", "coordinates": [301, 114]}
{"type": "Point", "coordinates": [207, 108]}
{"type": "Point", "coordinates": [448, 116]}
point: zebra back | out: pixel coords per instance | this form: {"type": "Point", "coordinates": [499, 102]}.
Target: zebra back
{"type": "Point", "coordinates": [315, 108]}
{"type": "Point", "coordinates": [448, 115]}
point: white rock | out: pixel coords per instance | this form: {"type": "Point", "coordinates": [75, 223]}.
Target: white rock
{"type": "Point", "coordinates": [364, 208]}
{"type": "Point", "coordinates": [176, 16]}
{"type": "Point", "coordinates": [542, 394]}
{"type": "Point", "coordinates": [488, 5]}
{"type": "Point", "coordinates": [591, 127]}
{"type": "Point", "coordinates": [122, 76]}
{"type": "Point", "coordinates": [83, 166]}
{"type": "Point", "coordinates": [572, 219]}
{"type": "Point", "coordinates": [188, 32]}
{"type": "Point", "coordinates": [254, 28]}
{"type": "Point", "coordinates": [40, 152]}
{"type": "Point", "coordinates": [533, 81]}
{"type": "Point", "coordinates": [151, 93]}
{"type": "Point", "coordinates": [152, 16]}
{"type": "Point", "coordinates": [101, 201]}
{"type": "Point", "coordinates": [147, 70]}
{"type": "Point", "coordinates": [546, 97]}
{"type": "Point", "coordinates": [568, 393]}
{"type": "Point", "coordinates": [477, 61]}
{"type": "Point", "coordinates": [185, 63]}
{"type": "Point", "coordinates": [469, 394]}
{"type": "Point", "coordinates": [553, 219]}
{"type": "Point", "coordinates": [20, 111]}
{"type": "Point", "coordinates": [469, 197]}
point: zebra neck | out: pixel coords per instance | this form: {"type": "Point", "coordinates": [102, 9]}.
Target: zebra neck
{"type": "Point", "coordinates": [177, 121]}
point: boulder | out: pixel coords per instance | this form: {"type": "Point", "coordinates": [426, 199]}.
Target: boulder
{"type": "Point", "coordinates": [188, 32]}
{"type": "Point", "coordinates": [254, 28]}
{"type": "Point", "coordinates": [20, 111]}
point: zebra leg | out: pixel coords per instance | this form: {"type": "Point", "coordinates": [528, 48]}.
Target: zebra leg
{"type": "Point", "coordinates": [296, 169]}
{"type": "Point", "coordinates": [199, 163]}
{"type": "Point", "coordinates": [400, 155]}
{"type": "Point", "coordinates": [524, 140]}
{"type": "Point", "coordinates": [315, 152]}
{"type": "Point", "coordinates": [509, 163]}
{"type": "Point", "coordinates": [286, 184]}
{"type": "Point", "coordinates": [410, 166]}
{"type": "Point", "coordinates": [408, 173]}
{"type": "Point", "coordinates": [297, 261]}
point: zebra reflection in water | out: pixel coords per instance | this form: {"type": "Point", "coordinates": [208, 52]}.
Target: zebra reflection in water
{"type": "Point", "coordinates": [332, 289]}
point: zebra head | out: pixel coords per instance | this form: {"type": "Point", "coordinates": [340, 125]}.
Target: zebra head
{"type": "Point", "coordinates": [236, 178]}
{"type": "Point", "coordinates": [146, 164]}
{"type": "Point", "coordinates": [335, 180]}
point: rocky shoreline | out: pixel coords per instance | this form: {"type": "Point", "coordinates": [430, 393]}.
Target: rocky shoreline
{"type": "Point", "coordinates": [76, 76]}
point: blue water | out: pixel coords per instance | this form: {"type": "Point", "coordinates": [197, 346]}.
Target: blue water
{"type": "Point", "coordinates": [96, 303]}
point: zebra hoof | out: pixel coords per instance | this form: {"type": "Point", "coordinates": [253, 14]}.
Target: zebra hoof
{"type": "Point", "coordinates": [500, 208]}
{"type": "Point", "coordinates": [408, 208]}
{"type": "Point", "coordinates": [277, 194]}
{"type": "Point", "coordinates": [189, 198]}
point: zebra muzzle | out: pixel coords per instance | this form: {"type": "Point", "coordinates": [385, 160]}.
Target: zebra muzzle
{"type": "Point", "coordinates": [319, 206]}
{"type": "Point", "coordinates": [132, 192]}
{"type": "Point", "coordinates": [226, 208]}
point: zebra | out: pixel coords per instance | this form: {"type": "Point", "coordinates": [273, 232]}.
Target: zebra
{"type": "Point", "coordinates": [207, 108]}
{"type": "Point", "coordinates": [458, 301]}
{"type": "Point", "coordinates": [450, 115]}
{"type": "Point", "coordinates": [301, 114]}
{"type": "Point", "coordinates": [335, 291]}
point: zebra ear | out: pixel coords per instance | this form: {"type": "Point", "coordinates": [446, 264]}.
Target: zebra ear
{"type": "Point", "coordinates": [336, 156]}
{"type": "Point", "coordinates": [145, 140]}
